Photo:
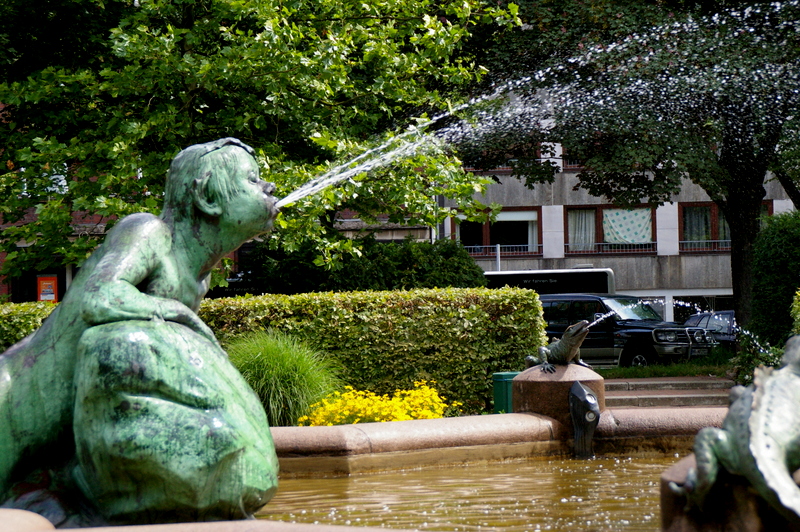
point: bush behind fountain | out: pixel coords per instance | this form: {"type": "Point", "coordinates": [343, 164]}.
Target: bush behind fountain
{"type": "Point", "coordinates": [389, 340]}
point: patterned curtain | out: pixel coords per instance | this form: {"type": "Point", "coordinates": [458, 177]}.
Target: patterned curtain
{"type": "Point", "coordinates": [627, 226]}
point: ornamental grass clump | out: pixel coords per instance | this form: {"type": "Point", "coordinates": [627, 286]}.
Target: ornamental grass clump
{"type": "Point", "coordinates": [286, 374]}
{"type": "Point", "coordinates": [357, 406]}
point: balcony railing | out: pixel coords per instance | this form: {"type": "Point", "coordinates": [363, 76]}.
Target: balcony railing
{"type": "Point", "coordinates": [704, 246]}
{"type": "Point", "coordinates": [606, 247]}
{"type": "Point", "coordinates": [505, 251]}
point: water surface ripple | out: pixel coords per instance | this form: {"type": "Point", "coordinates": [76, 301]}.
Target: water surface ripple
{"type": "Point", "coordinates": [602, 494]}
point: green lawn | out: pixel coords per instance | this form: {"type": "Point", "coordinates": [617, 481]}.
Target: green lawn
{"type": "Point", "coordinates": [716, 364]}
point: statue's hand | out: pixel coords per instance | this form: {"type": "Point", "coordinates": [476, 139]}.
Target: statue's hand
{"type": "Point", "coordinates": [547, 367]}
{"type": "Point", "coordinates": [687, 489]}
{"type": "Point", "coordinates": [173, 310]}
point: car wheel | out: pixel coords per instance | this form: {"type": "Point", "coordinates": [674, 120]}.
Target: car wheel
{"type": "Point", "coordinates": [638, 355]}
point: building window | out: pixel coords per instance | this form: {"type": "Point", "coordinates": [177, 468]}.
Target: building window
{"type": "Point", "coordinates": [609, 230]}
{"type": "Point", "coordinates": [704, 228]}
{"type": "Point", "coordinates": [513, 233]}
{"type": "Point", "coordinates": [581, 230]}
{"type": "Point", "coordinates": [569, 162]}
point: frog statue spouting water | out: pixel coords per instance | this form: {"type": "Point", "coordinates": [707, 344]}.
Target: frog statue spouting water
{"type": "Point", "coordinates": [124, 394]}
{"type": "Point", "coordinates": [563, 351]}
{"type": "Point", "coordinates": [759, 440]}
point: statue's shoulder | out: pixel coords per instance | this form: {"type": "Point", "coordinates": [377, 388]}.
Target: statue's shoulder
{"type": "Point", "coordinates": [141, 225]}
{"type": "Point", "coordinates": [141, 219]}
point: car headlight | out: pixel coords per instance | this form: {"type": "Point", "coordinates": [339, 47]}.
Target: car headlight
{"type": "Point", "coordinates": [709, 337]}
{"type": "Point", "coordinates": [666, 336]}
{"type": "Point", "coordinates": [699, 336]}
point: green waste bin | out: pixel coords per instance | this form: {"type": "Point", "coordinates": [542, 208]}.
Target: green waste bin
{"type": "Point", "coordinates": [502, 391]}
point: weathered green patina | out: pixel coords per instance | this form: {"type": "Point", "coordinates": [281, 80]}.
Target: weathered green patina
{"type": "Point", "coordinates": [759, 440]}
{"type": "Point", "coordinates": [565, 350]}
{"type": "Point", "coordinates": [124, 381]}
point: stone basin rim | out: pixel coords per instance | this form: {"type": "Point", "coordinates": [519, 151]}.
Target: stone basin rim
{"type": "Point", "coordinates": [369, 447]}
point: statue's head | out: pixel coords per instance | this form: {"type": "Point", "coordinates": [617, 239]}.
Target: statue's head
{"type": "Point", "coordinates": [579, 331]}
{"type": "Point", "coordinates": [791, 355]}
{"type": "Point", "coordinates": [218, 178]}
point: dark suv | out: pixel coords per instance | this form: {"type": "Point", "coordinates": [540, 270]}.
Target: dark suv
{"type": "Point", "coordinates": [627, 332]}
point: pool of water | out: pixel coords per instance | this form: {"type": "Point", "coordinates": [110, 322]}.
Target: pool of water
{"type": "Point", "coordinates": [602, 494]}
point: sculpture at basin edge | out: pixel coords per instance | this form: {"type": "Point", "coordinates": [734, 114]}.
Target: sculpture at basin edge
{"type": "Point", "coordinates": [565, 350]}
{"type": "Point", "coordinates": [123, 387]}
{"type": "Point", "coordinates": [759, 440]}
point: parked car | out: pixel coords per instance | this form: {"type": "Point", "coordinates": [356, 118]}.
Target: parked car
{"type": "Point", "coordinates": [626, 330]}
{"type": "Point", "coordinates": [721, 323]}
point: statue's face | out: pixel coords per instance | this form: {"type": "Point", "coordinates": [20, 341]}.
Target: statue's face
{"type": "Point", "coordinates": [252, 209]}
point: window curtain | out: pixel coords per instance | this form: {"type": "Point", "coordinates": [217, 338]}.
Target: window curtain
{"type": "Point", "coordinates": [533, 236]}
{"type": "Point", "coordinates": [724, 229]}
{"type": "Point", "coordinates": [627, 226]}
{"type": "Point", "coordinates": [697, 223]}
{"type": "Point", "coordinates": [580, 229]}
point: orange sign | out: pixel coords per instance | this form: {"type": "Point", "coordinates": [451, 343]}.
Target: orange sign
{"type": "Point", "coordinates": [47, 288]}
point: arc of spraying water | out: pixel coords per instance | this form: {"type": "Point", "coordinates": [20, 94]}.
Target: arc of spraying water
{"type": "Point", "coordinates": [355, 166]}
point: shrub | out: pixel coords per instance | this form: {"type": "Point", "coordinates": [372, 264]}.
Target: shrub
{"type": "Point", "coordinates": [753, 353]}
{"type": "Point", "coordinates": [381, 266]}
{"type": "Point", "coordinates": [382, 341]}
{"type": "Point", "coordinates": [287, 375]}
{"type": "Point", "coordinates": [776, 264]}
{"type": "Point", "coordinates": [389, 340]}
{"type": "Point", "coordinates": [796, 313]}
{"type": "Point", "coordinates": [354, 406]}
{"type": "Point", "coordinates": [18, 320]}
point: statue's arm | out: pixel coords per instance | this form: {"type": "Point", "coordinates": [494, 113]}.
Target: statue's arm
{"type": "Point", "coordinates": [544, 361]}
{"type": "Point", "coordinates": [133, 256]}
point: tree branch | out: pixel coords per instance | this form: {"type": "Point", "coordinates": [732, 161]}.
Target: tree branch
{"type": "Point", "coordinates": [789, 186]}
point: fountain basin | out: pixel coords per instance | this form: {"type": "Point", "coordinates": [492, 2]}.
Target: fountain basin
{"type": "Point", "coordinates": [348, 449]}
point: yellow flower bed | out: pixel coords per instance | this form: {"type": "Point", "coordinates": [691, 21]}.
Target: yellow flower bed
{"type": "Point", "coordinates": [356, 406]}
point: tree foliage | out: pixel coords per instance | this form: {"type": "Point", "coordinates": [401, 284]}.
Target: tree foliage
{"type": "Point", "coordinates": [708, 98]}
{"type": "Point", "coordinates": [776, 278]}
{"type": "Point", "coordinates": [378, 266]}
{"type": "Point", "coordinates": [93, 115]}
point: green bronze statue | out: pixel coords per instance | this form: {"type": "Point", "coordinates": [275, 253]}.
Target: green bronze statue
{"type": "Point", "coordinates": [565, 350]}
{"type": "Point", "coordinates": [759, 440]}
{"type": "Point", "coordinates": [124, 387]}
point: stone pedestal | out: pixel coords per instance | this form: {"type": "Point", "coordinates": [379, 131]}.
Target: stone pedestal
{"type": "Point", "coordinates": [732, 506]}
{"type": "Point", "coordinates": [547, 394]}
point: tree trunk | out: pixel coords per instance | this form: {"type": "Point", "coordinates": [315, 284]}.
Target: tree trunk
{"type": "Point", "coordinates": [742, 208]}
{"type": "Point", "coordinates": [742, 213]}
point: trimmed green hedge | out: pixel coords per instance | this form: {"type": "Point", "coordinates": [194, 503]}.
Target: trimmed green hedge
{"type": "Point", "coordinates": [18, 320]}
{"type": "Point", "coordinates": [388, 340]}
{"type": "Point", "coordinates": [457, 337]}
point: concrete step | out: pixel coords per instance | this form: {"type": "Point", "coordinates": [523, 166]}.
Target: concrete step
{"type": "Point", "coordinates": [648, 398]}
{"type": "Point", "coordinates": [669, 383]}
{"type": "Point", "coordinates": [667, 392]}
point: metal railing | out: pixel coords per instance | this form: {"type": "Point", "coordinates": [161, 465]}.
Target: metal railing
{"type": "Point", "coordinates": [606, 247]}
{"type": "Point", "coordinates": [704, 246]}
{"type": "Point", "coordinates": [505, 251]}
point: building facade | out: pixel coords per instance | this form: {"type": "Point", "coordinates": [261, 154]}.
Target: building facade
{"type": "Point", "coordinates": [677, 254]}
